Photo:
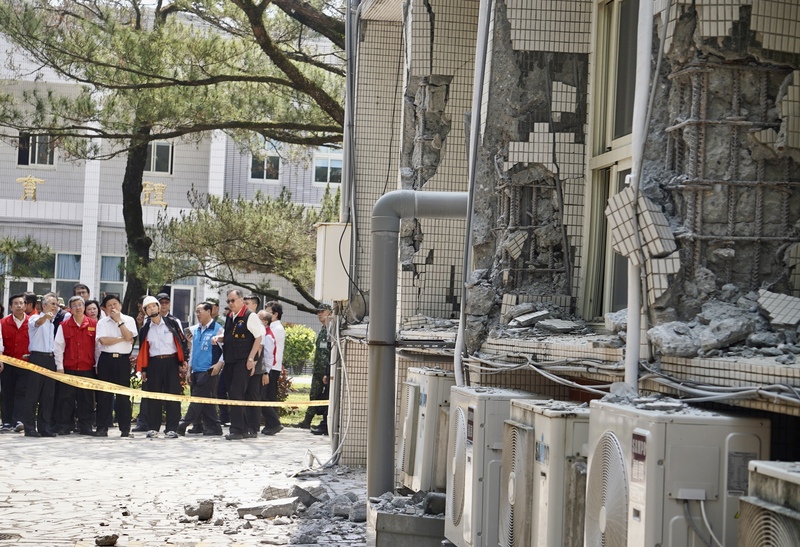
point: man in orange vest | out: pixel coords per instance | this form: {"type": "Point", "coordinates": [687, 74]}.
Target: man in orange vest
{"type": "Point", "coordinates": [74, 354]}
{"type": "Point", "coordinates": [162, 351]}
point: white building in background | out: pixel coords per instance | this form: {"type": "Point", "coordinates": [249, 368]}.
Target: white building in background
{"type": "Point", "coordinates": [75, 207]}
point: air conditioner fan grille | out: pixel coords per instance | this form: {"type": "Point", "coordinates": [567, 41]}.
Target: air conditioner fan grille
{"type": "Point", "coordinates": [607, 495]}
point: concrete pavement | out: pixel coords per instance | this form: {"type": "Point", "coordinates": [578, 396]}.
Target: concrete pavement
{"type": "Point", "coordinates": [69, 490]}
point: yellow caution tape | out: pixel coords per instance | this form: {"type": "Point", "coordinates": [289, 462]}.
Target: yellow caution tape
{"type": "Point", "coordinates": [108, 387]}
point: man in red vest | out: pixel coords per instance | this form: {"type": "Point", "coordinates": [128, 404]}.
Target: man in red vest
{"type": "Point", "coordinates": [74, 354]}
{"type": "Point", "coordinates": [14, 343]}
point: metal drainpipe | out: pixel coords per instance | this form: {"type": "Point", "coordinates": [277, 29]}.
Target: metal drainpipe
{"type": "Point", "coordinates": [484, 20]}
{"type": "Point", "coordinates": [643, 56]}
{"type": "Point", "coordinates": [381, 334]}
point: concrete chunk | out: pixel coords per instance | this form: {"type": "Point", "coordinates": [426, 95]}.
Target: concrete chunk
{"type": "Point", "coordinates": [305, 497]}
{"type": "Point", "coordinates": [722, 334]}
{"type": "Point", "coordinates": [358, 512]}
{"type": "Point", "coordinates": [782, 309]}
{"type": "Point", "coordinates": [529, 319]}
{"type": "Point", "coordinates": [250, 510]}
{"type": "Point", "coordinates": [203, 510]}
{"type": "Point", "coordinates": [274, 493]}
{"type": "Point", "coordinates": [558, 325]}
{"type": "Point", "coordinates": [283, 507]}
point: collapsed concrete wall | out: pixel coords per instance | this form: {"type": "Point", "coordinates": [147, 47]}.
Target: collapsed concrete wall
{"type": "Point", "coordinates": [530, 175]}
{"type": "Point", "coordinates": [718, 158]}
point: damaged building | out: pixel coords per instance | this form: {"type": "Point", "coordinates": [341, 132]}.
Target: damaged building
{"type": "Point", "coordinates": [711, 219]}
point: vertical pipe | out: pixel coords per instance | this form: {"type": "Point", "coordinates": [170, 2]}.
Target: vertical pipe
{"type": "Point", "coordinates": [474, 136]}
{"type": "Point", "coordinates": [380, 379]}
{"type": "Point", "coordinates": [643, 54]}
{"type": "Point", "coordinates": [381, 335]}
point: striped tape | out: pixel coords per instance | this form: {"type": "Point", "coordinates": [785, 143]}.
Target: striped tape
{"type": "Point", "coordinates": [108, 387]}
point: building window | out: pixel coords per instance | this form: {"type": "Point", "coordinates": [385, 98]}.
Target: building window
{"type": "Point", "coordinates": [68, 273]}
{"type": "Point", "coordinates": [266, 168]}
{"type": "Point", "coordinates": [159, 158]}
{"type": "Point", "coordinates": [606, 273]}
{"type": "Point", "coordinates": [36, 150]}
{"type": "Point", "coordinates": [112, 275]}
{"type": "Point", "coordinates": [616, 75]}
{"type": "Point", "coordinates": [327, 166]}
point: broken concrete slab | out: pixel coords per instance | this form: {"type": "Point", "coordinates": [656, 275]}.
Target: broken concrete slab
{"type": "Point", "coordinates": [529, 319]}
{"type": "Point", "coordinates": [340, 506]}
{"type": "Point", "coordinates": [284, 507]}
{"type": "Point", "coordinates": [558, 325]}
{"type": "Point", "coordinates": [250, 510]}
{"type": "Point", "coordinates": [515, 311]}
{"type": "Point", "coordinates": [305, 497]}
{"type": "Point", "coordinates": [782, 309]}
{"type": "Point", "coordinates": [274, 493]}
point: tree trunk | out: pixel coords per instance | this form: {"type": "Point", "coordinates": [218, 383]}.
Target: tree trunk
{"type": "Point", "coordinates": [138, 242]}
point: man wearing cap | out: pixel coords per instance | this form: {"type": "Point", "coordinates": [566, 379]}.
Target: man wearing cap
{"type": "Point", "coordinates": [320, 374]}
{"type": "Point", "coordinates": [164, 304]}
{"type": "Point", "coordinates": [41, 389]}
{"type": "Point", "coordinates": [215, 311]}
{"type": "Point", "coordinates": [161, 360]}
{"type": "Point", "coordinates": [204, 376]}
{"type": "Point", "coordinates": [241, 350]}
{"type": "Point", "coordinates": [74, 354]}
{"type": "Point", "coordinates": [115, 334]}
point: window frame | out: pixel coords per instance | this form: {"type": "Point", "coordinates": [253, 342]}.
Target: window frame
{"type": "Point", "coordinates": [609, 157]}
{"type": "Point", "coordinates": [267, 157]}
{"type": "Point", "coordinates": [115, 282]}
{"type": "Point", "coordinates": [32, 145]}
{"type": "Point", "coordinates": [327, 155]}
{"type": "Point", "coordinates": [153, 156]}
{"type": "Point", "coordinates": [606, 63]}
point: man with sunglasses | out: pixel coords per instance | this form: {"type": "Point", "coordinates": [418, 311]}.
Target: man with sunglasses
{"type": "Point", "coordinates": [241, 352]}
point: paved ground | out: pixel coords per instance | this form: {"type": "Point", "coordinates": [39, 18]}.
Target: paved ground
{"type": "Point", "coordinates": [71, 490]}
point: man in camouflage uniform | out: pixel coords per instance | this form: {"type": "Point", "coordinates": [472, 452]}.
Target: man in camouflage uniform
{"type": "Point", "coordinates": [320, 375]}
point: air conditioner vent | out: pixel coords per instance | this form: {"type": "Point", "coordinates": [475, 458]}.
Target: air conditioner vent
{"type": "Point", "coordinates": [458, 452]}
{"type": "Point", "coordinates": [607, 495]}
{"type": "Point", "coordinates": [516, 485]}
{"type": "Point", "coordinates": [764, 524]}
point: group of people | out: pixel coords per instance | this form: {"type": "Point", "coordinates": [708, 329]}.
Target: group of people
{"type": "Point", "coordinates": [68, 341]}
{"type": "Point", "coordinates": [239, 357]}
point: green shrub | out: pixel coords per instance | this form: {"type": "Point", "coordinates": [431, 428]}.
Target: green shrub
{"type": "Point", "coordinates": [299, 348]}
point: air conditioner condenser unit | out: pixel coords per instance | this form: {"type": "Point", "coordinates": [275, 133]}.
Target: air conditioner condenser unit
{"type": "Point", "coordinates": [659, 470]}
{"type": "Point", "coordinates": [425, 392]}
{"type": "Point", "coordinates": [543, 482]}
{"type": "Point", "coordinates": [770, 513]}
{"type": "Point", "coordinates": [475, 457]}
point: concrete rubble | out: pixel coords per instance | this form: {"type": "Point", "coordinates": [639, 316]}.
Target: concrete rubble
{"type": "Point", "coordinates": [174, 501]}
{"type": "Point", "coordinates": [756, 325]}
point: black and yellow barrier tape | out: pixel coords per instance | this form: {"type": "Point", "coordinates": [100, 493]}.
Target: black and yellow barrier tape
{"type": "Point", "coordinates": [108, 387]}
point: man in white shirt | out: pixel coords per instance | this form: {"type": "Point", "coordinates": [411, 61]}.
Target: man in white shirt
{"type": "Point", "coordinates": [40, 391]}
{"type": "Point", "coordinates": [272, 421]}
{"type": "Point", "coordinates": [115, 334]}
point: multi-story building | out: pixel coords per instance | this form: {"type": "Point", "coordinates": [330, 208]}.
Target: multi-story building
{"type": "Point", "coordinates": [719, 174]}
